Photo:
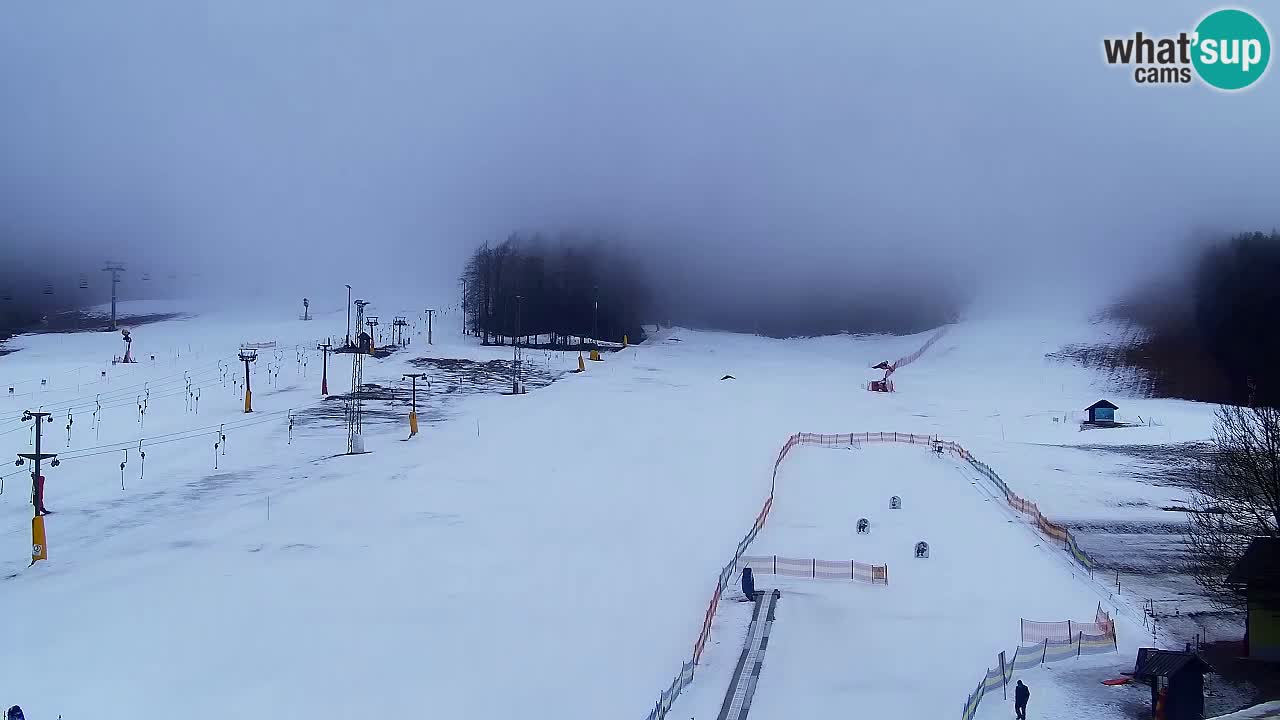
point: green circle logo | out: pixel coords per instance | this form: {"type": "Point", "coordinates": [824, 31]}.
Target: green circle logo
{"type": "Point", "coordinates": [1232, 49]}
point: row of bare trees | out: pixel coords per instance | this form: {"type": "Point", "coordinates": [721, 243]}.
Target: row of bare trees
{"type": "Point", "coordinates": [1238, 496]}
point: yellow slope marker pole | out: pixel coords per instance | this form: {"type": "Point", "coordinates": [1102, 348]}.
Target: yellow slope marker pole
{"type": "Point", "coordinates": [413, 407]}
{"type": "Point", "coordinates": [39, 549]}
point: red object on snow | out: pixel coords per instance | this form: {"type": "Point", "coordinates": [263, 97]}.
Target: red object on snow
{"type": "Point", "coordinates": [40, 494]}
{"type": "Point", "coordinates": [1117, 681]}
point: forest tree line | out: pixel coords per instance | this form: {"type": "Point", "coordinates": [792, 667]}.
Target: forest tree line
{"type": "Point", "coordinates": [1237, 303]}
{"type": "Point", "coordinates": [558, 293]}
{"type": "Point", "coordinates": [1211, 331]}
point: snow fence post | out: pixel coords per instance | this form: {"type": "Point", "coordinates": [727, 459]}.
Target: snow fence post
{"type": "Point", "coordinates": [852, 574]}
{"type": "Point", "coordinates": [1079, 643]}
{"type": "Point", "coordinates": [775, 564]}
{"type": "Point", "coordinates": [1004, 681]}
{"type": "Point", "coordinates": [1046, 651]}
{"type": "Point", "coordinates": [1069, 633]}
{"type": "Point", "coordinates": [813, 572]}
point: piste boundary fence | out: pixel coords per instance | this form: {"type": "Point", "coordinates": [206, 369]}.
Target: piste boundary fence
{"type": "Point", "coordinates": [1054, 531]}
{"type": "Point", "coordinates": [1035, 631]}
{"type": "Point", "coordinates": [1043, 643]}
{"type": "Point", "coordinates": [908, 359]}
{"type": "Point", "coordinates": [817, 569]}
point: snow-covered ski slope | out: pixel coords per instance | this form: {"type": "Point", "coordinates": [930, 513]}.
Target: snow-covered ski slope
{"type": "Point", "coordinates": [548, 555]}
{"type": "Point", "coordinates": [912, 647]}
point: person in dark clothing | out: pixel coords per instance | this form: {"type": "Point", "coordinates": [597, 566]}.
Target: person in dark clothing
{"type": "Point", "coordinates": [748, 584]}
{"type": "Point", "coordinates": [1021, 695]}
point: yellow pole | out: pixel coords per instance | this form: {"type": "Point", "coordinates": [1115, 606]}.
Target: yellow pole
{"type": "Point", "coordinates": [624, 341]}
{"type": "Point", "coordinates": [248, 400]}
{"type": "Point", "coordinates": [581, 365]}
{"type": "Point", "coordinates": [39, 550]}
{"type": "Point", "coordinates": [413, 424]}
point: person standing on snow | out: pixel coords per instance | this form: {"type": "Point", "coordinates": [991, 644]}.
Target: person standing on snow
{"type": "Point", "coordinates": [1021, 695]}
{"type": "Point", "coordinates": [748, 584]}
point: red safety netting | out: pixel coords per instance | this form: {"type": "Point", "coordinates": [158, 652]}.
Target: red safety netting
{"type": "Point", "coordinates": [1034, 631]}
{"type": "Point", "coordinates": [817, 569]}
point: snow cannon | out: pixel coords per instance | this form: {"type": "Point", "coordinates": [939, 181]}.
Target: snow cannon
{"type": "Point", "coordinates": [883, 384]}
{"type": "Point", "coordinates": [128, 350]}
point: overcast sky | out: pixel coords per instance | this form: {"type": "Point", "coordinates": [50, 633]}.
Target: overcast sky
{"type": "Point", "coordinates": [796, 142]}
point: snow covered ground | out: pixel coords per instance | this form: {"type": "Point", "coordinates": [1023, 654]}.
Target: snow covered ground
{"type": "Point", "coordinates": [1265, 711]}
{"type": "Point", "coordinates": [916, 647]}
{"type": "Point", "coordinates": [548, 555]}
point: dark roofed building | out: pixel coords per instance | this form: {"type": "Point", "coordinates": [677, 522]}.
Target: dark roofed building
{"type": "Point", "coordinates": [1258, 574]}
{"type": "Point", "coordinates": [1102, 413]}
{"type": "Point", "coordinates": [1177, 682]}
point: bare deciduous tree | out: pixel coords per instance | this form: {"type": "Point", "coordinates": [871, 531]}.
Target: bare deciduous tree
{"type": "Point", "coordinates": [1238, 496]}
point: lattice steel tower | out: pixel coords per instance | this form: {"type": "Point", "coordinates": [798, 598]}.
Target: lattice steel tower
{"type": "Point", "coordinates": [355, 409]}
